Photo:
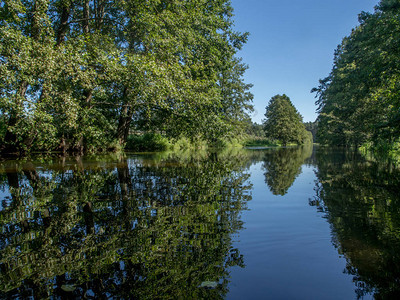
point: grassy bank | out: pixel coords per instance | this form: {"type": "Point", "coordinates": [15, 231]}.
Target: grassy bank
{"type": "Point", "coordinates": [150, 142]}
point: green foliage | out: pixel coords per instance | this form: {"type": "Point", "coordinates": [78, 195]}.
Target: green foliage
{"type": "Point", "coordinates": [260, 142]}
{"type": "Point", "coordinates": [359, 101]}
{"type": "Point", "coordinates": [147, 142]}
{"type": "Point", "coordinates": [381, 149]}
{"type": "Point", "coordinates": [182, 143]}
{"type": "Point", "coordinates": [254, 129]}
{"type": "Point", "coordinates": [313, 128]}
{"type": "Point", "coordinates": [158, 142]}
{"type": "Point", "coordinates": [3, 128]}
{"type": "Point", "coordinates": [307, 137]}
{"type": "Point", "coordinates": [227, 143]}
{"type": "Point", "coordinates": [88, 72]}
{"type": "Point", "coordinates": [284, 123]}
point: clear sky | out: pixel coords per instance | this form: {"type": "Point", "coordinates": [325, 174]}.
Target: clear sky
{"type": "Point", "coordinates": [291, 46]}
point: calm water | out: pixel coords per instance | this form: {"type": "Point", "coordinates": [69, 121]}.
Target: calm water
{"type": "Point", "coordinates": [296, 223]}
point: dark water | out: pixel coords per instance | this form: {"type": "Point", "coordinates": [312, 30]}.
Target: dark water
{"type": "Point", "coordinates": [297, 223]}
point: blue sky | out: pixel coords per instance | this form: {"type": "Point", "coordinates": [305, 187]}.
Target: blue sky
{"type": "Point", "coordinates": [291, 46]}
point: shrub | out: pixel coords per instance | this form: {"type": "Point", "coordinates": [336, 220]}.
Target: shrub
{"type": "Point", "coordinates": [147, 142]}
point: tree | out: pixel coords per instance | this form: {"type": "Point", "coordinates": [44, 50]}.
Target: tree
{"type": "Point", "coordinates": [359, 101]}
{"type": "Point", "coordinates": [254, 129]}
{"type": "Point", "coordinates": [283, 123]}
{"type": "Point", "coordinates": [313, 128]}
{"type": "Point", "coordinates": [77, 76]}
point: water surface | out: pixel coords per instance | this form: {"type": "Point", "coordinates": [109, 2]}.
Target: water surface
{"type": "Point", "coordinates": [295, 223]}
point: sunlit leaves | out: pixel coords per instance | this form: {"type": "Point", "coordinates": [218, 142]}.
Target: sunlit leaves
{"type": "Point", "coordinates": [358, 102]}
{"type": "Point", "coordinates": [94, 67]}
{"type": "Point", "coordinates": [283, 121]}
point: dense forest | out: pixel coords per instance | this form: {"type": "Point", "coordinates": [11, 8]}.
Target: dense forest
{"type": "Point", "coordinates": [358, 103]}
{"type": "Point", "coordinates": [85, 75]}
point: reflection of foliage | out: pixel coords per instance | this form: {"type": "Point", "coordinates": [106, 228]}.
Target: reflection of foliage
{"type": "Point", "coordinates": [362, 202]}
{"type": "Point", "coordinates": [127, 228]}
{"type": "Point", "coordinates": [283, 165]}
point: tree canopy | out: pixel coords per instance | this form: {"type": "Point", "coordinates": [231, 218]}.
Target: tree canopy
{"type": "Point", "coordinates": [359, 101]}
{"type": "Point", "coordinates": [284, 122]}
{"type": "Point", "coordinates": [81, 75]}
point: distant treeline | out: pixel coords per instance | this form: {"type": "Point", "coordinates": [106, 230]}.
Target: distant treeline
{"type": "Point", "coordinates": [84, 75]}
{"type": "Point", "coordinates": [359, 102]}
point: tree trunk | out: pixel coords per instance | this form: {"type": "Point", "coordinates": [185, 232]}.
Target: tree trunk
{"type": "Point", "coordinates": [82, 144]}
{"type": "Point", "coordinates": [124, 124]}
{"type": "Point", "coordinates": [88, 216]}
{"type": "Point", "coordinates": [125, 184]}
{"type": "Point", "coordinates": [99, 12]}
{"type": "Point", "coordinates": [88, 94]}
{"type": "Point", "coordinates": [63, 26]}
{"type": "Point", "coordinates": [124, 121]}
{"type": "Point", "coordinates": [86, 14]}
{"type": "Point", "coordinates": [35, 28]}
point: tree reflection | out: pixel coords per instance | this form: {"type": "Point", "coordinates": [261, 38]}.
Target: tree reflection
{"type": "Point", "coordinates": [137, 227]}
{"type": "Point", "coordinates": [283, 165]}
{"type": "Point", "coordinates": [361, 200]}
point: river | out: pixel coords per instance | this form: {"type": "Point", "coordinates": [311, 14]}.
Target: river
{"type": "Point", "coordinates": [288, 223]}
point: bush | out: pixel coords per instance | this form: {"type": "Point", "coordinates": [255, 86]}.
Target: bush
{"type": "Point", "coordinates": [182, 144]}
{"type": "Point", "coordinates": [147, 142]}
{"type": "Point", "coordinates": [226, 143]}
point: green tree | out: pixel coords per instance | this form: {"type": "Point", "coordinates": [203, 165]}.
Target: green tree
{"type": "Point", "coordinates": [255, 129]}
{"type": "Point", "coordinates": [78, 76]}
{"type": "Point", "coordinates": [313, 128]}
{"type": "Point", "coordinates": [283, 123]}
{"type": "Point", "coordinates": [359, 101]}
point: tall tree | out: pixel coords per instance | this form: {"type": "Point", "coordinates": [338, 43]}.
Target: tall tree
{"type": "Point", "coordinates": [359, 101]}
{"type": "Point", "coordinates": [283, 121]}
{"type": "Point", "coordinates": [79, 75]}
